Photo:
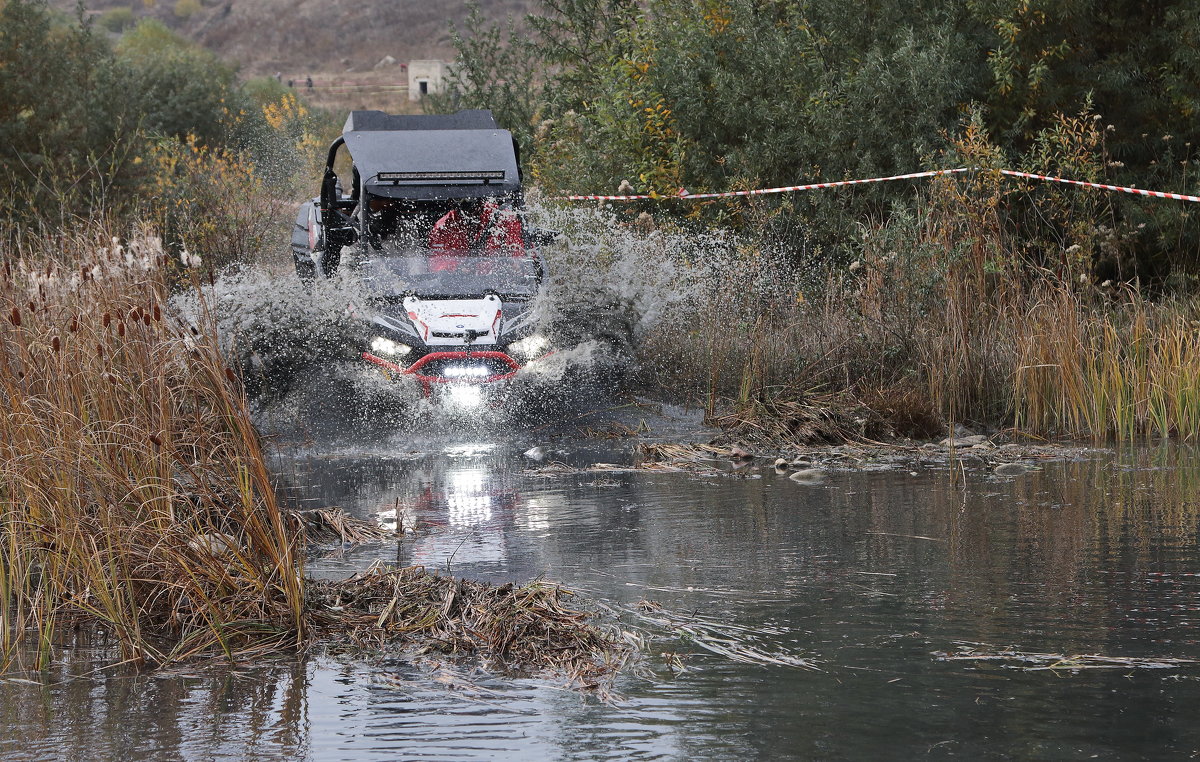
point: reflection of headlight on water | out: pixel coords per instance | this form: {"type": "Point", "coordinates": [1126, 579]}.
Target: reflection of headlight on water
{"type": "Point", "coordinates": [385, 346]}
{"type": "Point", "coordinates": [530, 346]}
{"type": "Point", "coordinates": [464, 396]}
{"type": "Point", "coordinates": [466, 371]}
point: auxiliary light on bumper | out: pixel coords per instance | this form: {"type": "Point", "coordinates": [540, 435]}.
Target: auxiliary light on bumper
{"type": "Point", "coordinates": [384, 346]}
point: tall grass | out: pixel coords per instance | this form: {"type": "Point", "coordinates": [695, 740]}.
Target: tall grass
{"type": "Point", "coordinates": [938, 322]}
{"type": "Point", "coordinates": [135, 503]}
{"type": "Point", "coordinates": [1126, 367]}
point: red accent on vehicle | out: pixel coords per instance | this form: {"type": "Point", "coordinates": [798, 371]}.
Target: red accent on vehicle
{"type": "Point", "coordinates": [382, 362]}
{"type": "Point", "coordinates": [427, 381]}
{"type": "Point", "coordinates": [421, 323]}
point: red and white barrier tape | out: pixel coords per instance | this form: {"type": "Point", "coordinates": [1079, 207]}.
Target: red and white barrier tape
{"type": "Point", "coordinates": [1102, 186]}
{"type": "Point", "coordinates": [683, 194]}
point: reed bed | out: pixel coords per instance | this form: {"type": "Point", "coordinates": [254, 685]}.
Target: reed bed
{"type": "Point", "coordinates": [879, 353]}
{"type": "Point", "coordinates": [134, 497]}
{"type": "Point", "coordinates": [1126, 368]}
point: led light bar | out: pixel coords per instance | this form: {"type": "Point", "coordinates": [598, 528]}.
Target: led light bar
{"type": "Point", "coordinates": [484, 175]}
{"type": "Point", "coordinates": [466, 371]}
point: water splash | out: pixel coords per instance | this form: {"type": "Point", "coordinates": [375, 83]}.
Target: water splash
{"type": "Point", "coordinates": [609, 284]}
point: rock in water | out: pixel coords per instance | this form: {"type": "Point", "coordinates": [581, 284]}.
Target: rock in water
{"type": "Point", "coordinates": [808, 476]}
{"type": "Point", "coordinates": [1010, 469]}
{"type": "Point", "coordinates": [781, 465]}
{"type": "Point", "coordinates": [741, 452]}
{"type": "Point", "coordinates": [963, 441]}
{"type": "Point", "coordinates": [536, 453]}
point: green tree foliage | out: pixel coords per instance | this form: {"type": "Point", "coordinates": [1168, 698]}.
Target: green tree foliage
{"type": "Point", "coordinates": [177, 88]}
{"type": "Point", "coordinates": [1134, 68]}
{"type": "Point", "coordinates": [725, 94]}
{"type": "Point", "coordinates": [81, 120]}
{"type": "Point", "coordinates": [62, 122]}
{"type": "Point", "coordinates": [496, 69]}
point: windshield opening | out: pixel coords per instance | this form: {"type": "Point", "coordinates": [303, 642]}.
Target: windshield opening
{"type": "Point", "coordinates": [420, 272]}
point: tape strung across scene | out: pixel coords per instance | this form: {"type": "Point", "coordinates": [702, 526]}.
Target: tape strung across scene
{"type": "Point", "coordinates": [683, 194]}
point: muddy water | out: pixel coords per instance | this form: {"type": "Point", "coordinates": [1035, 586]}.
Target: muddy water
{"type": "Point", "coordinates": [866, 576]}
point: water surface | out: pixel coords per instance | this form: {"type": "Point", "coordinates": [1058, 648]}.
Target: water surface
{"type": "Point", "coordinates": [866, 576]}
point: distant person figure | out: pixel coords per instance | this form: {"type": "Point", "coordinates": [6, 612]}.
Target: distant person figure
{"type": "Point", "coordinates": [308, 83]}
{"type": "Point", "coordinates": [279, 76]}
{"type": "Point", "coordinates": [291, 83]}
{"type": "Point", "coordinates": [474, 228]}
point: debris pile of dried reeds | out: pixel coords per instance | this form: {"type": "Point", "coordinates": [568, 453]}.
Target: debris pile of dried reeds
{"type": "Point", "coordinates": [1032, 661]}
{"type": "Point", "coordinates": [512, 628]}
{"type": "Point", "coordinates": [790, 417]}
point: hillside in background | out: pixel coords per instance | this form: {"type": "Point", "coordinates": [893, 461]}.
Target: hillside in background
{"type": "Point", "coordinates": [302, 37]}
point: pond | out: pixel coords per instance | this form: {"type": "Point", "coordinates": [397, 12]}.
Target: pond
{"type": "Point", "coordinates": [781, 620]}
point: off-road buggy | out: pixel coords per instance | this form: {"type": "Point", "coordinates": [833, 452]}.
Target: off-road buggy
{"type": "Point", "coordinates": [433, 227]}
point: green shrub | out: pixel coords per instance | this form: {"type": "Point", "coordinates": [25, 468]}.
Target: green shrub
{"type": "Point", "coordinates": [117, 20]}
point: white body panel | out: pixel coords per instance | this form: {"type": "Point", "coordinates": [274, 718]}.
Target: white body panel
{"type": "Point", "coordinates": [445, 322]}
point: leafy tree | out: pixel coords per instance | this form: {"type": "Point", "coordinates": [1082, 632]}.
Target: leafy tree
{"type": "Point", "coordinates": [177, 88]}
{"type": "Point", "coordinates": [496, 69]}
{"type": "Point", "coordinates": [64, 128]}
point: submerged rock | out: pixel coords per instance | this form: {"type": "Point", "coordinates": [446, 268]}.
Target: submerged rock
{"type": "Point", "coordinates": [1011, 469]}
{"type": "Point", "coordinates": [808, 476]}
{"type": "Point", "coordinates": [741, 452]}
{"type": "Point", "coordinates": [781, 465]}
{"type": "Point", "coordinates": [968, 441]}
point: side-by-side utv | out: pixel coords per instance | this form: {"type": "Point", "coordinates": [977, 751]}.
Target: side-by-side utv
{"type": "Point", "coordinates": [433, 228]}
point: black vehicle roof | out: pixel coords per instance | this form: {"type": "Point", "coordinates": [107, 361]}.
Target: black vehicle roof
{"type": "Point", "coordinates": [467, 119]}
{"type": "Point", "coordinates": [443, 156]}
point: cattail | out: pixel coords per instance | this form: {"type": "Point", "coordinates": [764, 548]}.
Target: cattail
{"type": "Point", "coordinates": [15, 317]}
{"type": "Point", "coordinates": [146, 318]}
{"type": "Point", "coordinates": [156, 440]}
{"type": "Point", "coordinates": [100, 351]}
{"type": "Point", "coordinates": [107, 319]}
{"type": "Point", "coordinates": [54, 344]}
{"type": "Point", "coordinates": [74, 324]}
{"type": "Point", "coordinates": [135, 314]}
{"type": "Point", "coordinates": [157, 313]}
{"type": "Point", "coordinates": [229, 374]}
{"type": "Point", "coordinates": [121, 328]}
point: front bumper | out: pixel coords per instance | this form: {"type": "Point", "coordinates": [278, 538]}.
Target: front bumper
{"type": "Point", "coordinates": [459, 367]}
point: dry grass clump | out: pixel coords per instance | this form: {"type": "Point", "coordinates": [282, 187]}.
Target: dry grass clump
{"type": "Point", "coordinates": [525, 628]}
{"type": "Point", "coordinates": [134, 497]}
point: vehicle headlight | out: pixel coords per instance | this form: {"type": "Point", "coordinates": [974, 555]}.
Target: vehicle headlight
{"type": "Point", "coordinates": [385, 346]}
{"type": "Point", "coordinates": [530, 346]}
{"type": "Point", "coordinates": [466, 371]}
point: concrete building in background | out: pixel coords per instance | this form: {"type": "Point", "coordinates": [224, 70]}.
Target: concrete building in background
{"type": "Point", "coordinates": [425, 77]}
